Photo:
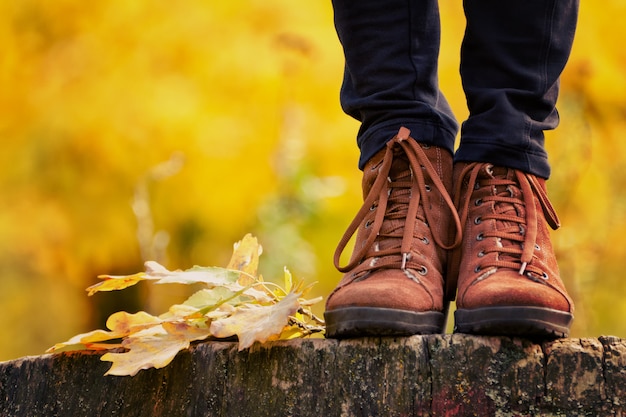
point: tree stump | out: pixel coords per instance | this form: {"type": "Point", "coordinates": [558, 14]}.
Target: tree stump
{"type": "Point", "coordinates": [434, 375]}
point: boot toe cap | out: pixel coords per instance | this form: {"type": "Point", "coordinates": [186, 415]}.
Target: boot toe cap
{"type": "Point", "coordinates": [387, 289]}
{"type": "Point", "coordinates": [508, 288]}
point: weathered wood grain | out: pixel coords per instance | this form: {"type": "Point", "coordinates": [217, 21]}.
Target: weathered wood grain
{"type": "Point", "coordinates": [417, 376]}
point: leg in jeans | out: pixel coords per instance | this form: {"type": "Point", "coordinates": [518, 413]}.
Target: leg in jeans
{"type": "Point", "coordinates": [393, 283]}
{"type": "Point", "coordinates": [508, 280]}
{"type": "Point", "coordinates": [512, 57]}
{"type": "Point", "coordinates": [391, 49]}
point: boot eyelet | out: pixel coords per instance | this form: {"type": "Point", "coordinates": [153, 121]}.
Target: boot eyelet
{"type": "Point", "coordinates": [537, 247]}
{"type": "Point", "coordinates": [478, 202]}
{"type": "Point", "coordinates": [477, 269]}
{"type": "Point", "coordinates": [481, 254]}
{"type": "Point", "coordinates": [428, 188]}
{"type": "Point", "coordinates": [543, 276]}
{"type": "Point", "coordinates": [478, 220]}
{"type": "Point", "coordinates": [476, 185]}
{"type": "Point", "coordinates": [368, 224]}
{"type": "Point", "coordinates": [423, 270]}
{"type": "Point", "coordinates": [425, 240]}
{"type": "Point", "coordinates": [374, 206]}
{"type": "Point", "coordinates": [480, 236]}
{"type": "Point", "coordinates": [425, 146]}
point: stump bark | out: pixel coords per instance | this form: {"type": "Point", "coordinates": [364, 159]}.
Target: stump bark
{"type": "Point", "coordinates": [435, 375]}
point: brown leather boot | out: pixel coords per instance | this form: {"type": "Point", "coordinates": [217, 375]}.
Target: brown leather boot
{"type": "Point", "coordinates": [508, 277]}
{"type": "Point", "coordinates": [393, 284]}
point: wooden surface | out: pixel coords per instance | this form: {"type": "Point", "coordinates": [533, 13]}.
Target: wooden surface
{"type": "Point", "coordinates": [417, 376]}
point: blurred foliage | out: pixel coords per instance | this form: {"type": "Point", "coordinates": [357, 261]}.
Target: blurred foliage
{"type": "Point", "coordinates": [152, 129]}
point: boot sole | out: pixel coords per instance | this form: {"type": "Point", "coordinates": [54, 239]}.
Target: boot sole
{"type": "Point", "coordinates": [371, 321]}
{"type": "Point", "coordinates": [531, 322]}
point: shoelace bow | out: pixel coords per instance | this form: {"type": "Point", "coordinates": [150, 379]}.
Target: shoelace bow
{"type": "Point", "coordinates": [522, 230]}
{"type": "Point", "coordinates": [381, 190]}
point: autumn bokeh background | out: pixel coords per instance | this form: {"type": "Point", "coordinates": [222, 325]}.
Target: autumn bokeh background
{"type": "Point", "coordinates": [136, 130]}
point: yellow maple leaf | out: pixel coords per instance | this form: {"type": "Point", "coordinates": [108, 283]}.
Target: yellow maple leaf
{"type": "Point", "coordinates": [257, 323]}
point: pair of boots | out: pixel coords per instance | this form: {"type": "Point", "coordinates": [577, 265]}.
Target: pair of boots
{"type": "Point", "coordinates": [428, 231]}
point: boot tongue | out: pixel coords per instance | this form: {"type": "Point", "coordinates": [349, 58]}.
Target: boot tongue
{"type": "Point", "coordinates": [399, 179]}
{"type": "Point", "coordinates": [400, 166]}
{"type": "Point", "coordinates": [508, 190]}
{"type": "Point", "coordinates": [399, 170]}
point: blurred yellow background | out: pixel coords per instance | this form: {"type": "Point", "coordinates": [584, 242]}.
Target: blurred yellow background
{"type": "Point", "coordinates": [137, 130]}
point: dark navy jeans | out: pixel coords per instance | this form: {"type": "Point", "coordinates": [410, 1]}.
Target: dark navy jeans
{"type": "Point", "coordinates": [512, 56]}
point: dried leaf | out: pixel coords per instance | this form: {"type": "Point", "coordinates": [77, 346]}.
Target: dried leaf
{"type": "Point", "coordinates": [257, 323]}
{"type": "Point", "coordinates": [310, 302]}
{"type": "Point", "coordinates": [123, 323]}
{"type": "Point", "coordinates": [235, 301]}
{"type": "Point", "coordinates": [210, 297]}
{"type": "Point", "coordinates": [212, 276]}
{"type": "Point", "coordinates": [180, 312]}
{"type": "Point", "coordinates": [113, 282]}
{"type": "Point", "coordinates": [245, 256]}
{"type": "Point", "coordinates": [82, 341]}
{"type": "Point", "coordinates": [292, 332]}
{"type": "Point", "coordinates": [288, 280]}
{"type": "Point", "coordinates": [154, 351]}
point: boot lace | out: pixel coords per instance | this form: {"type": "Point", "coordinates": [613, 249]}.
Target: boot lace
{"type": "Point", "coordinates": [396, 199]}
{"type": "Point", "coordinates": [517, 235]}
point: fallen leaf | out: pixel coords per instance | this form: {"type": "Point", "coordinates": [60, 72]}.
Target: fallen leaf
{"type": "Point", "coordinates": [212, 297]}
{"type": "Point", "coordinates": [180, 312]}
{"type": "Point", "coordinates": [212, 276]}
{"type": "Point", "coordinates": [145, 353]}
{"type": "Point", "coordinates": [245, 256]}
{"type": "Point", "coordinates": [257, 323]}
{"type": "Point", "coordinates": [81, 341]}
{"type": "Point", "coordinates": [235, 301]}
{"type": "Point", "coordinates": [113, 282]}
{"type": "Point", "coordinates": [124, 323]}
{"type": "Point", "coordinates": [153, 351]}
{"type": "Point", "coordinates": [288, 280]}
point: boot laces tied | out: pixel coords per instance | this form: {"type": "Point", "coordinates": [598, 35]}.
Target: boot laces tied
{"type": "Point", "coordinates": [383, 191]}
{"type": "Point", "coordinates": [525, 233]}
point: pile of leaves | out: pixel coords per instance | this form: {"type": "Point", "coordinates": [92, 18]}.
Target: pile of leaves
{"type": "Point", "coordinates": [234, 301]}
